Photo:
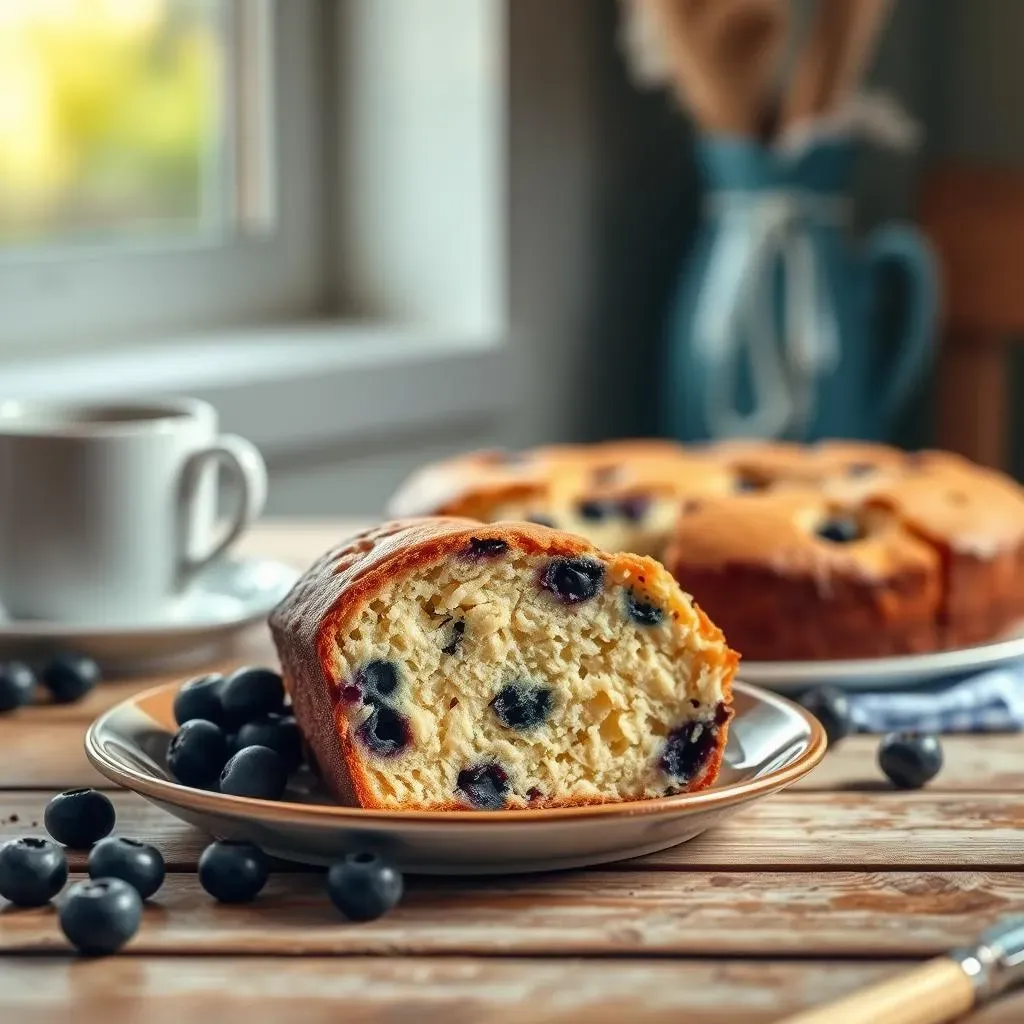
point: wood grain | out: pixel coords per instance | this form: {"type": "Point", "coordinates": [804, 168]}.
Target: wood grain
{"type": "Point", "coordinates": [810, 914]}
{"type": "Point", "coordinates": [792, 831]}
{"type": "Point", "coordinates": [233, 990]}
{"type": "Point", "coordinates": [971, 764]}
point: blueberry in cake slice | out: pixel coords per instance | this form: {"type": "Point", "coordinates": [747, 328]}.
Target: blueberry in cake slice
{"type": "Point", "coordinates": [445, 664]}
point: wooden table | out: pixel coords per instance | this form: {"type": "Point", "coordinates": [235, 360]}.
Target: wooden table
{"type": "Point", "coordinates": [810, 894]}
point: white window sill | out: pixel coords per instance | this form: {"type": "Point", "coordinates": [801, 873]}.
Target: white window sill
{"type": "Point", "coordinates": [294, 386]}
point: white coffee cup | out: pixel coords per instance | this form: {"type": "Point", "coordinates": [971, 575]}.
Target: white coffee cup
{"type": "Point", "coordinates": [109, 512]}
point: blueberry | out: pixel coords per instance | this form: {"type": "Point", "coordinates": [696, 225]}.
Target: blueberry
{"type": "Point", "coordinates": [17, 684]}
{"type": "Point", "coordinates": [593, 510]}
{"type": "Point", "coordinates": [32, 871]}
{"type": "Point", "coordinates": [747, 485]}
{"type": "Point", "coordinates": [256, 772]}
{"type": "Point", "coordinates": [364, 886]}
{"type": "Point", "coordinates": [573, 579]}
{"type": "Point", "coordinates": [687, 750]}
{"type": "Point", "coordinates": [251, 693]}
{"type": "Point", "coordinates": [831, 707]}
{"type": "Point", "coordinates": [378, 681]}
{"type": "Point", "coordinates": [138, 864]}
{"type": "Point", "coordinates": [634, 509]}
{"type": "Point", "coordinates": [101, 915]}
{"type": "Point", "coordinates": [860, 468]}
{"type": "Point", "coordinates": [486, 786]}
{"type": "Point", "coordinates": [233, 872]}
{"type": "Point", "coordinates": [523, 705]}
{"type": "Point", "coordinates": [840, 530]}
{"type": "Point", "coordinates": [486, 547]}
{"type": "Point", "coordinates": [200, 698]}
{"type": "Point", "coordinates": [385, 733]}
{"type": "Point", "coordinates": [69, 677]}
{"type": "Point", "coordinates": [910, 759]}
{"type": "Point", "coordinates": [455, 644]}
{"type": "Point", "coordinates": [279, 732]}
{"type": "Point", "coordinates": [197, 753]}
{"type": "Point", "coordinates": [643, 612]}
{"type": "Point", "coordinates": [79, 817]}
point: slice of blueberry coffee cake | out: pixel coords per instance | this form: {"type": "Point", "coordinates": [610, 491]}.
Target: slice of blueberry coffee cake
{"type": "Point", "coordinates": [444, 664]}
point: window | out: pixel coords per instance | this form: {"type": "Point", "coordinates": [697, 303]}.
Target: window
{"type": "Point", "coordinates": [140, 142]}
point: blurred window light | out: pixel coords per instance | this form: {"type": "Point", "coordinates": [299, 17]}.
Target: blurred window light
{"type": "Point", "coordinates": [132, 120]}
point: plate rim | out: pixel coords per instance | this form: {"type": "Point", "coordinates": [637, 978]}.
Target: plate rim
{"type": "Point", "coordinates": [927, 665]}
{"type": "Point", "coordinates": [18, 629]}
{"type": "Point", "coordinates": [175, 794]}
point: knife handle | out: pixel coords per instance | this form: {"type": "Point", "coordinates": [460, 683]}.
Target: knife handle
{"type": "Point", "coordinates": [933, 993]}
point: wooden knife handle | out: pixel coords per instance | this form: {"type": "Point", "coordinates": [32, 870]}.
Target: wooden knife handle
{"type": "Point", "coordinates": [935, 992]}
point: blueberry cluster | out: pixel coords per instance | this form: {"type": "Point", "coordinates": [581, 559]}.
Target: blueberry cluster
{"type": "Point", "coordinates": [235, 735]}
{"type": "Point", "coordinates": [909, 760]}
{"type": "Point", "coordinates": [386, 732]}
{"type": "Point", "coordinates": [67, 677]}
{"type": "Point", "coordinates": [100, 915]}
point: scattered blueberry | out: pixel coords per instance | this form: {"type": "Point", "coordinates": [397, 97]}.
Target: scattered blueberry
{"type": "Point", "coordinates": [523, 705]}
{"type": "Point", "coordinates": [364, 886]}
{"type": "Point", "coordinates": [634, 509]}
{"type": "Point", "coordinates": [251, 693]}
{"type": "Point", "coordinates": [79, 817]}
{"type": "Point", "coordinates": [200, 698]}
{"type": "Point", "coordinates": [378, 681]}
{"type": "Point", "coordinates": [233, 872]}
{"type": "Point", "coordinates": [573, 579]}
{"type": "Point", "coordinates": [256, 772]}
{"type": "Point", "coordinates": [687, 750]}
{"type": "Point", "coordinates": [99, 916]}
{"type": "Point", "coordinates": [910, 759]}
{"type": "Point", "coordinates": [138, 864]}
{"type": "Point", "coordinates": [830, 706]}
{"type": "Point", "coordinates": [486, 786]}
{"type": "Point", "coordinates": [197, 753]}
{"type": "Point", "coordinates": [840, 530]}
{"type": "Point", "coordinates": [594, 510]}
{"type": "Point", "coordinates": [643, 612]}
{"type": "Point", "coordinates": [32, 871]}
{"type": "Point", "coordinates": [279, 732]}
{"type": "Point", "coordinates": [69, 677]}
{"type": "Point", "coordinates": [385, 733]}
{"type": "Point", "coordinates": [17, 684]}
{"type": "Point", "coordinates": [458, 632]}
{"type": "Point", "coordinates": [486, 547]}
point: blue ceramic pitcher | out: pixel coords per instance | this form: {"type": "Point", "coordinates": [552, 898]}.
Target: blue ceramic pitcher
{"type": "Point", "coordinates": [775, 330]}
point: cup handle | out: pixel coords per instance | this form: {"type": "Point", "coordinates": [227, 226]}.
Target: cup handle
{"type": "Point", "coordinates": [904, 247]}
{"type": "Point", "coordinates": [244, 463]}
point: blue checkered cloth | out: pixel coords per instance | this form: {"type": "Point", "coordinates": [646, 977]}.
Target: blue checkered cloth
{"type": "Point", "coordinates": [990, 701]}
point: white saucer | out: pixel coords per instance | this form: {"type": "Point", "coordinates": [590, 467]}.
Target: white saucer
{"type": "Point", "coordinates": [226, 598]}
{"type": "Point", "coordinates": [884, 673]}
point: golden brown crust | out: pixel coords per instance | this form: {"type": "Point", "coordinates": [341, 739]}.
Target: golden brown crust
{"type": "Point", "coordinates": [956, 531]}
{"type": "Point", "coordinates": [305, 626]}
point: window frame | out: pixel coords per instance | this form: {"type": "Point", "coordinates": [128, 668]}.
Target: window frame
{"type": "Point", "coordinates": [266, 265]}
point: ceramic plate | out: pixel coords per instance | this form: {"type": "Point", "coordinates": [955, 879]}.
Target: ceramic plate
{"type": "Point", "coordinates": [883, 673]}
{"type": "Point", "coordinates": [226, 597]}
{"type": "Point", "coordinates": [772, 743]}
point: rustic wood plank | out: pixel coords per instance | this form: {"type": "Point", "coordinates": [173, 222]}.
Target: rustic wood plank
{"type": "Point", "coordinates": [972, 763]}
{"type": "Point", "coordinates": [49, 990]}
{"type": "Point", "coordinates": [791, 831]}
{"type": "Point", "coordinates": [776, 914]}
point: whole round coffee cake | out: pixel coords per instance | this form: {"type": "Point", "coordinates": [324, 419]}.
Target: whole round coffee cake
{"type": "Point", "coordinates": [835, 550]}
